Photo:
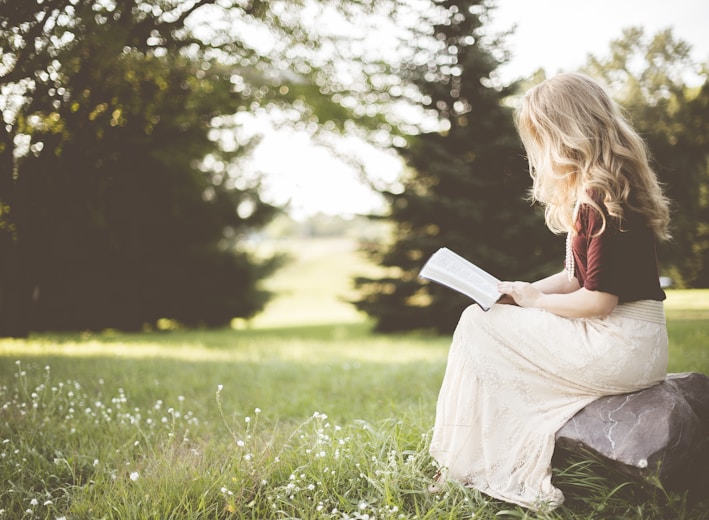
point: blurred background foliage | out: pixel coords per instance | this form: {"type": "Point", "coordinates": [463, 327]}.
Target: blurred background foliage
{"type": "Point", "coordinates": [123, 193]}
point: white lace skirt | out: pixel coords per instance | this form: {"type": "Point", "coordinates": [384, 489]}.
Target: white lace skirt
{"type": "Point", "coordinates": [516, 375]}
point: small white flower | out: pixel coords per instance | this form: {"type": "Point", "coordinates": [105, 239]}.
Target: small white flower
{"type": "Point", "coordinates": [642, 463]}
{"type": "Point", "coordinates": [220, 387]}
{"type": "Point", "coordinates": [180, 398]}
{"type": "Point", "coordinates": [134, 476]}
{"type": "Point", "coordinates": [34, 502]}
{"type": "Point", "coordinates": [257, 411]}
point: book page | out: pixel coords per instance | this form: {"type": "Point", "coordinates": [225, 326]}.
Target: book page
{"type": "Point", "coordinates": [452, 270]}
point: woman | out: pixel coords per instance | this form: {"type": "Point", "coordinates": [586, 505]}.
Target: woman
{"type": "Point", "coordinates": [517, 373]}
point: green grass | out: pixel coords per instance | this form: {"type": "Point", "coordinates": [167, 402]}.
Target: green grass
{"type": "Point", "coordinates": [272, 420]}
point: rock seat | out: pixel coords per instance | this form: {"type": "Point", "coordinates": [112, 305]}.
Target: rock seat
{"type": "Point", "coordinates": [660, 433]}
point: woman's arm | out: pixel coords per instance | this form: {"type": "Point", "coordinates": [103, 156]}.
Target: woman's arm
{"type": "Point", "coordinates": [558, 283]}
{"type": "Point", "coordinates": [580, 303]}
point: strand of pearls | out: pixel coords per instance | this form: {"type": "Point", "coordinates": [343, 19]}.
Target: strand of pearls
{"type": "Point", "coordinates": [570, 263]}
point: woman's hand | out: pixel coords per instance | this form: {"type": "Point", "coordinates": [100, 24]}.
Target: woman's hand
{"type": "Point", "coordinates": [524, 294]}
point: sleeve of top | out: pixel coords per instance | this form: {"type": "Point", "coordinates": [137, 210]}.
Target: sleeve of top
{"type": "Point", "coordinates": [599, 252]}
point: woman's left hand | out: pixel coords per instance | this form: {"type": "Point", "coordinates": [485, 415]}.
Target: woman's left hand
{"type": "Point", "coordinates": [523, 293]}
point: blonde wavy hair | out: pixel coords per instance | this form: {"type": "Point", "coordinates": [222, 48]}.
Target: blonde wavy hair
{"type": "Point", "coordinates": [579, 143]}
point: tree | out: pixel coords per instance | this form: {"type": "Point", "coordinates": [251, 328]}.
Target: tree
{"type": "Point", "coordinates": [121, 195]}
{"type": "Point", "coordinates": [467, 183]}
{"type": "Point", "coordinates": [113, 220]}
{"type": "Point", "coordinates": [648, 75]}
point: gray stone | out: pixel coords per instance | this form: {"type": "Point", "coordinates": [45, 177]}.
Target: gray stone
{"type": "Point", "coordinates": [661, 432]}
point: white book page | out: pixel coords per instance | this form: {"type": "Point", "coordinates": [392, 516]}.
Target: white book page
{"type": "Point", "coordinates": [454, 271]}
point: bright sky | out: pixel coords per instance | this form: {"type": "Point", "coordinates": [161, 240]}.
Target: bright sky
{"type": "Point", "coordinates": [559, 34]}
{"type": "Point", "coordinates": [552, 34]}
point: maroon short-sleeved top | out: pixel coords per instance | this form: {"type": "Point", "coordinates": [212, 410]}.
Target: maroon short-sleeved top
{"type": "Point", "coordinates": [623, 263]}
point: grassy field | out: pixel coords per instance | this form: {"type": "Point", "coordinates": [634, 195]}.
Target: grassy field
{"type": "Point", "coordinates": [300, 413]}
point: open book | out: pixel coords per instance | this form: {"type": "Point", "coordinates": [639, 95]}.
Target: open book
{"type": "Point", "coordinates": [447, 268]}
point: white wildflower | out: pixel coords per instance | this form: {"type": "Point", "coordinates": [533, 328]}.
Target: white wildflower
{"type": "Point", "coordinates": [134, 476]}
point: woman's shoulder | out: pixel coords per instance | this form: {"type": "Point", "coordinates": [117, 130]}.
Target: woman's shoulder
{"type": "Point", "coordinates": [594, 206]}
{"type": "Point", "coordinates": [596, 209]}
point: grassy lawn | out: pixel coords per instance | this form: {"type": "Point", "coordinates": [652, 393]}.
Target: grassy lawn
{"type": "Point", "coordinates": [301, 413]}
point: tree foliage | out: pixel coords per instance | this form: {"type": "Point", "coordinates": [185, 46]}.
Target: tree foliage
{"type": "Point", "coordinates": [121, 195]}
{"type": "Point", "coordinates": [467, 183]}
{"type": "Point", "coordinates": [649, 76]}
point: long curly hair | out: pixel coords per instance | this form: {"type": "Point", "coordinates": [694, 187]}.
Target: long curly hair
{"type": "Point", "coordinates": [580, 147]}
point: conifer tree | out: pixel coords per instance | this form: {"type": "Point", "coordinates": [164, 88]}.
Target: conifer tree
{"type": "Point", "coordinates": [467, 185]}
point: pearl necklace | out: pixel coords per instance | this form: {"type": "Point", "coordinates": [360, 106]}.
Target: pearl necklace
{"type": "Point", "coordinates": [570, 264]}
